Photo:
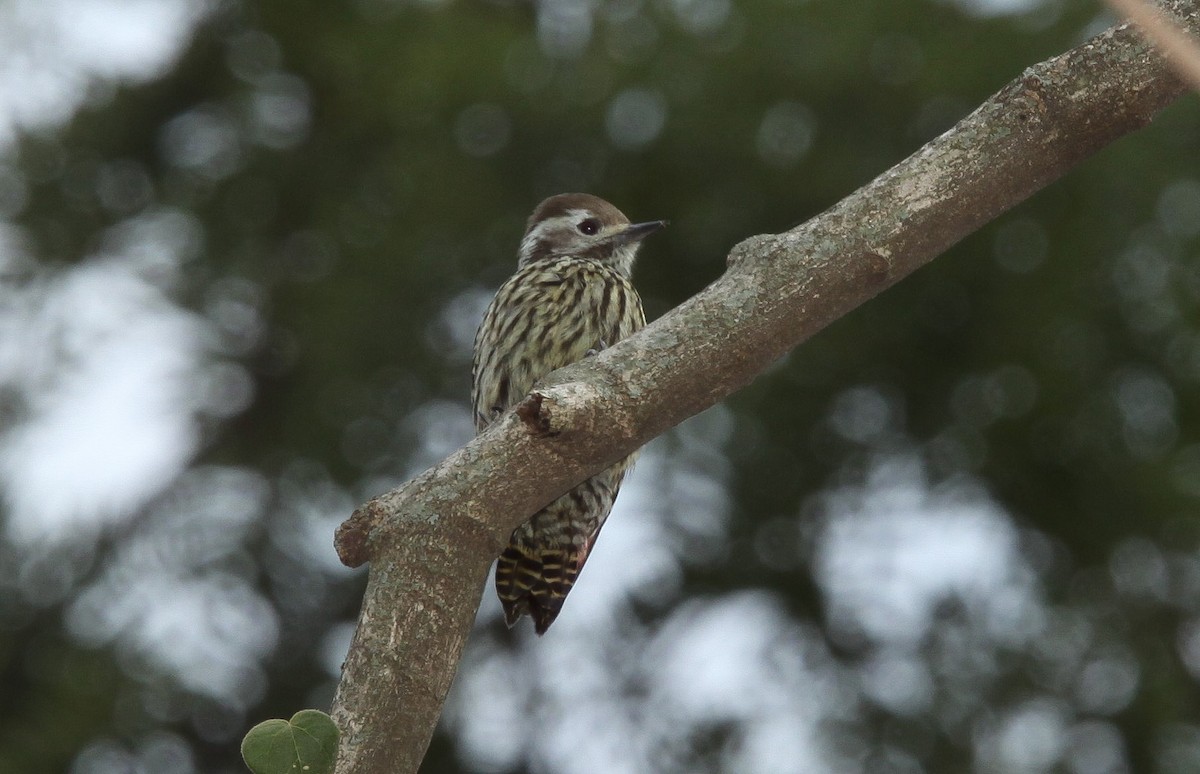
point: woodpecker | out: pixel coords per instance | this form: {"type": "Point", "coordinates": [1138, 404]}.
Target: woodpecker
{"type": "Point", "coordinates": [571, 296]}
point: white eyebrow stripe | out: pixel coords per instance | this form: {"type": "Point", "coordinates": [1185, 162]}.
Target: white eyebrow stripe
{"type": "Point", "coordinates": [546, 225]}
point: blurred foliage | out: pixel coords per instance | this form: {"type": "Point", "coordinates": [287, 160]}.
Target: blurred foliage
{"type": "Point", "coordinates": [353, 179]}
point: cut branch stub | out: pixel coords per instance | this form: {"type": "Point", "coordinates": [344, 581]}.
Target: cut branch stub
{"type": "Point", "coordinates": [530, 412]}
{"type": "Point", "coordinates": [352, 538]}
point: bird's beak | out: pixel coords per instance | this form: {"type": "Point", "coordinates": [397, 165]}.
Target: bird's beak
{"type": "Point", "coordinates": [636, 232]}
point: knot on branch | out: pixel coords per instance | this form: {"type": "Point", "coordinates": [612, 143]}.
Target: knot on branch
{"type": "Point", "coordinates": [353, 536]}
{"type": "Point", "coordinates": [876, 267]}
{"type": "Point", "coordinates": [535, 413]}
{"type": "Point", "coordinates": [1030, 100]}
{"type": "Point", "coordinates": [747, 249]}
{"type": "Point", "coordinates": [562, 408]}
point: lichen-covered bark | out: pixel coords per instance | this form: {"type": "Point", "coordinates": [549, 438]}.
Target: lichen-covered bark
{"type": "Point", "coordinates": [430, 542]}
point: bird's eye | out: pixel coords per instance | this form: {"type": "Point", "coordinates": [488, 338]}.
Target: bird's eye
{"type": "Point", "coordinates": [591, 226]}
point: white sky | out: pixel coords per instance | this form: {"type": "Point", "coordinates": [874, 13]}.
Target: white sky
{"type": "Point", "coordinates": [56, 54]}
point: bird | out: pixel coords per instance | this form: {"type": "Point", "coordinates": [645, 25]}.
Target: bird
{"type": "Point", "coordinates": [570, 297]}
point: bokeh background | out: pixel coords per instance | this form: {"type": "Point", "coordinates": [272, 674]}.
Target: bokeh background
{"type": "Point", "coordinates": [244, 246]}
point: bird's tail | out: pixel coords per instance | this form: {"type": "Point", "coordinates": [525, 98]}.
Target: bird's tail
{"type": "Point", "coordinates": [535, 581]}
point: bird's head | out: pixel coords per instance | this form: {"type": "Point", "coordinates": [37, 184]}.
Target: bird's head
{"type": "Point", "coordinates": [585, 226]}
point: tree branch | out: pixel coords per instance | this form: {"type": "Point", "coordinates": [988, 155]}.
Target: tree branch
{"type": "Point", "coordinates": [431, 541]}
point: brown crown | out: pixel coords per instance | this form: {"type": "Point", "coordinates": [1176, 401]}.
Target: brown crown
{"type": "Point", "coordinates": [561, 204]}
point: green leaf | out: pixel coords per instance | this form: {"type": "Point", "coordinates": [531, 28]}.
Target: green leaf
{"type": "Point", "coordinates": [306, 744]}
